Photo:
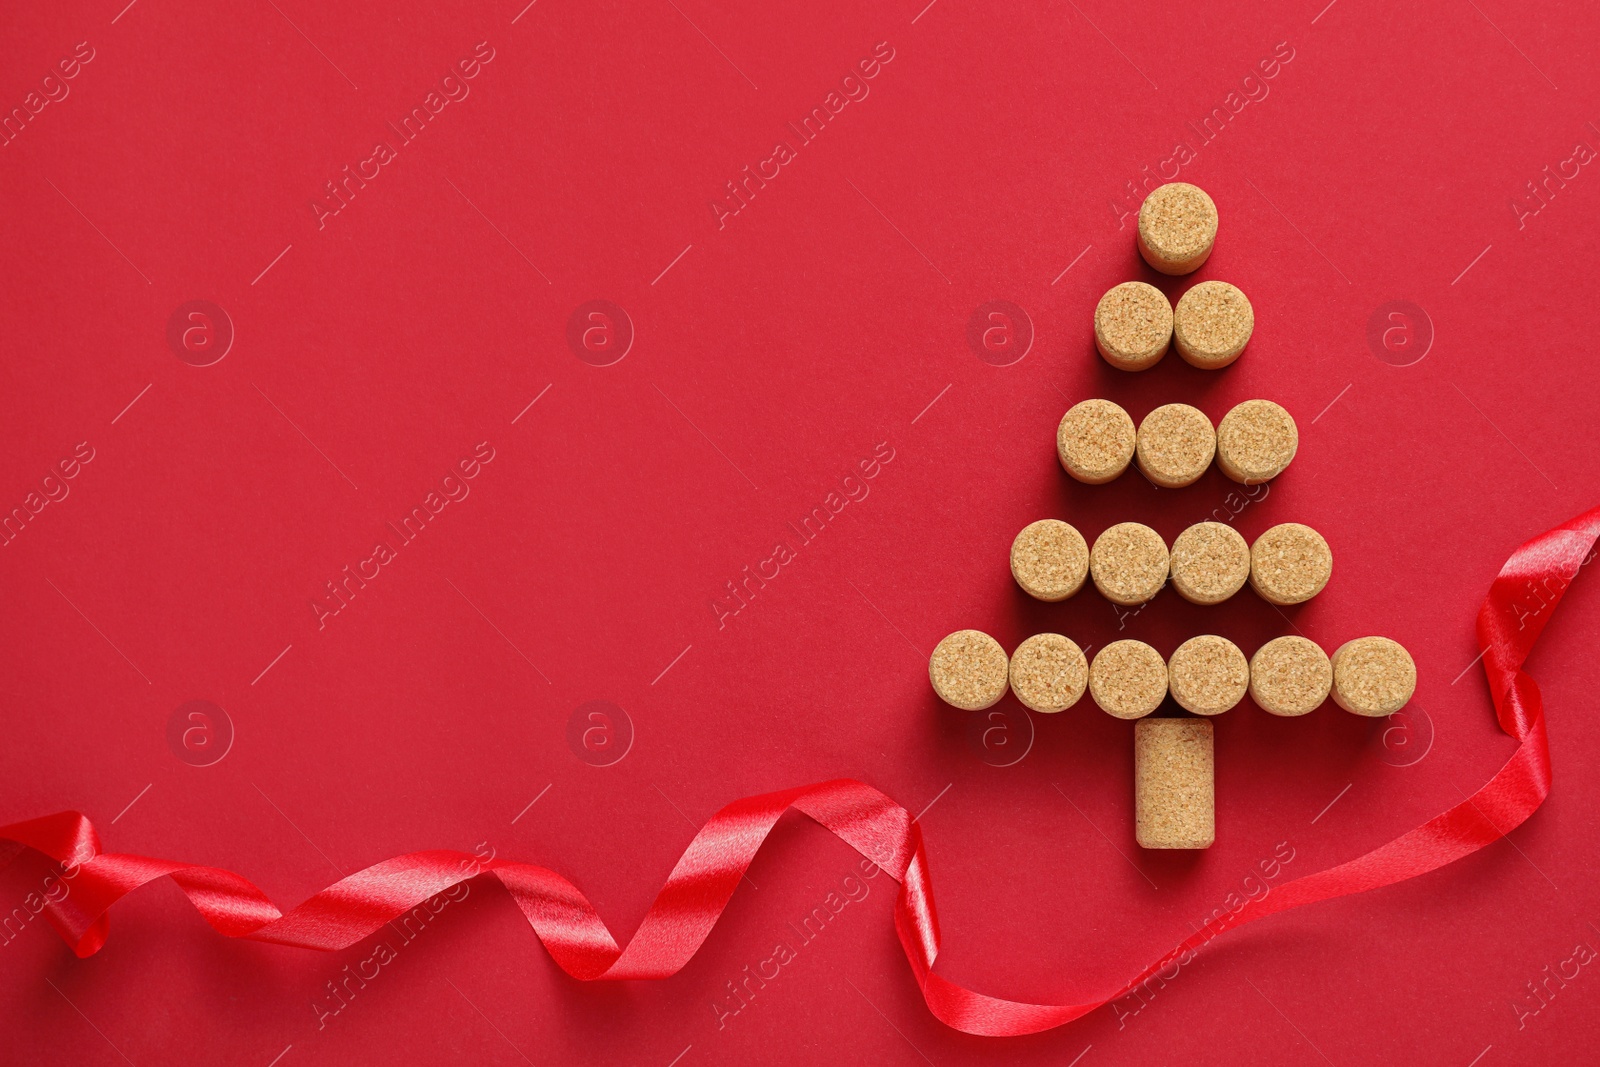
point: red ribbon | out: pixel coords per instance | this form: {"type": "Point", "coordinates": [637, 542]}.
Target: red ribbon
{"type": "Point", "coordinates": [1514, 614]}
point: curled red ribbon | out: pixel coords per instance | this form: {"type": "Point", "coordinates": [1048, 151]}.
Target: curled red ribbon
{"type": "Point", "coordinates": [698, 889]}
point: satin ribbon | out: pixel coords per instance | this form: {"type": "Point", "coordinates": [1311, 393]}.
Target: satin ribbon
{"type": "Point", "coordinates": [1513, 616]}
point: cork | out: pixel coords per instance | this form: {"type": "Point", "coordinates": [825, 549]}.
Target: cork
{"type": "Point", "coordinates": [1175, 445]}
{"type": "Point", "coordinates": [969, 670]}
{"type": "Point", "coordinates": [1133, 325]}
{"type": "Point", "coordinates": [1256, 441]}
{"type": "Point", "coordinates": [1373, 676]}
{"type": "Point", "coordinates": [1289, 564]}
{"type": "Point", "coordinates": [1177, 225]}
{"type": "Point", "coordinates": [1095, 441]}
{"type": "Point", "coordinates": [1128, 679]}
{"type": "Point", "coordinates": [1290, 676]}
{"type": "Point", "coordinates": [1174, 783]}
{"type": "Point", "coordinates": [1049, 559]}
{"type": "Point", "coordinates": [1210, 563]}
{"type": "Point", "coordinates": [1208, 675]}
{"type": "Point", "coordinates": [1129, 563]}
{"type": "Point", "coordinates": [1049, 672]}
{"type": "Point", "coordinates": [1211, 325]}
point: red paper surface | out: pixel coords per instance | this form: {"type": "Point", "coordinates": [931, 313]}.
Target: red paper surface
{"type": "Point", "coordinates": [771, 352]}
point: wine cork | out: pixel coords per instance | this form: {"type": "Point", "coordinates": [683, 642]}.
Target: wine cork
{"type": "Point", "coordinates": [1128, 679]}
{"type": "Point", "coordinates": [1208, 675]}
{"type": "Point", "coordinates": [1256, 441]}
{"type": "Point", "coordinates": [1373, 676]}
{"type": "Point", "coordinates": [1210, 563]}
{"type": "Point", "coordinates": [1095, 441]}
{"type": "Point", "coordinates": [1177, 225]}
{"type": "Point", "coordinates": [1211, 325]}
{"type": "Point", "coordinates": [1175, 445]}
{"type": "Point", "coordinates": [1049, 672]}
{"type": "Point", "coordinates": [1133, 325]}
{"type": "Point", "coordinates": [1290, 676]}
{"type": "Point", "coordinates": [1289, 564]}
{"type": "Point", "coordinates": [969, 670]}
{"type": "Point", "coordinates": [1174, 783]}
{"type": "Point", "coordinates": [1049, 559]}
{"type": "Point", "coordinates": [1129, 563]}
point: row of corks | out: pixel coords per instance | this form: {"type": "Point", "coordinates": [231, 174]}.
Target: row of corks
{"type": "Point", "coordinates": [1175, 444]}
{"type": "Point", "coordinates": [1207, 564]}
{"type": "Point", "coordinates": [1207, 675]}
{"type": "Point", "coordinates": [1134, 325]}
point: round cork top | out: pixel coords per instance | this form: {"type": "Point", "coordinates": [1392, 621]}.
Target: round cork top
{"type": "Point", "coordinates": [1048, 672]}
{"type": "Point", "coordinates": [1129, 563]}
{"type": "Point", "coordinates": [1289, 564]}
{"type": "Point", "coordinates": [1175, 445]}
{"type": "Point", "coordinates": [1049, 559]}
{"type": "Point", "coordinates": [1177, 225]}
{"type": "Point", "coordinates": [1290, 676]}
{"type": "Point", "coordinates": [1211, 325]}
{"type": "Point", "coordinates": [1373, 676]}
{"type": "Point", "coordinates": [969, 670]}
{"type": "Point", "coordinates": [1095, 441]}
{"type": "Point", "coordinates": [1133, 325]}
{"type": "Point", "coordinates": [1210, 563]}
{"type": "Point", "coordinates": [1256, 441]}
{"type": "Point", "coordinates": [1128, 679]}
{"type": "Point", "coordinates": [1208, 675]}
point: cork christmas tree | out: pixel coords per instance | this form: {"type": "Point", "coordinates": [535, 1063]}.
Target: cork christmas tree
{"type": "Point", "coordinates": [1128, 563]}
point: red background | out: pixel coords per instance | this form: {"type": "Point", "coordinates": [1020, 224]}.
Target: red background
{"type": "Point", "coordinates": [779, 350]}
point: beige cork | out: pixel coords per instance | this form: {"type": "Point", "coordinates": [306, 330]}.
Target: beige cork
{"type": "Point", "coordinates": [1175, 446]}
{"type": "Point", "coordinates": [969, 670]}
{"type": "Point", "coordinates": [1128, 679]}
{"type": "Point", "coordinates": [1290, 676]}
{"type": "Point", "coordinates": [1256, 441]}
{"type": "Point", "coordinates": [1129, 563]}
{"type": "Point", "coordinates": [1289, 564]}
{"type": "Point", "coordinates": [1211, 325]}
{"type": "Point", "coordinates": [1177, 225]}
{"type": "Point", "coordinates": [1208, 675]}
{"type": "Point", "coordinates": [1174, 783]}
{"type": "Point", "coordinates": [1373, 676]}
{"type": "Point", "coordinates": [1095, 441]}
{"type": "Point", "coordinates": [1049, 559]}
{"type": "Point", "coordinates": [1049, 672]}
{"type": "Point", "coordinates": [1210, 563]}
{"type": "Point", "coordinates": [1133, 325]}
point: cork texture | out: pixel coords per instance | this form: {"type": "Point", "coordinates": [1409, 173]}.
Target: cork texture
{"type": "Point", "coordinates": [1175, 445]}
{"type": "Point", "coordinates": [1211, 325]}
{"type": "Point", "coordinates": [969, 670]}
{"type": "Point", "coordinates": [1290, 676]}
{"type": "Point", "coordinates": [1049, 559]}
{"type": "Point", "coordinates": [1290, 564]}
{"type": "Point", "coordinates": [1174, 783]}
{"type": "Point", "coordinates": [1133, 325]}
{"type": "Point", "coordinates": [1373, 676]}
{"type": "Point", "coordinates": [1256, 441]}
{"type": "Point", "coordinates": [1129, 563]}
{"type": "Point", "coordinates": [1049, 673]}
{"type": "Point", "coordinates": [1210, 563]}
{"type": "Point", "coordinates": [1095, 441]}
{"type": "Point", "coordinates": [1177, 227]}
{"type": "Point", "coordinates": [1208, 675]}
{"type": "Point", "coordinates": [1128, 679]}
